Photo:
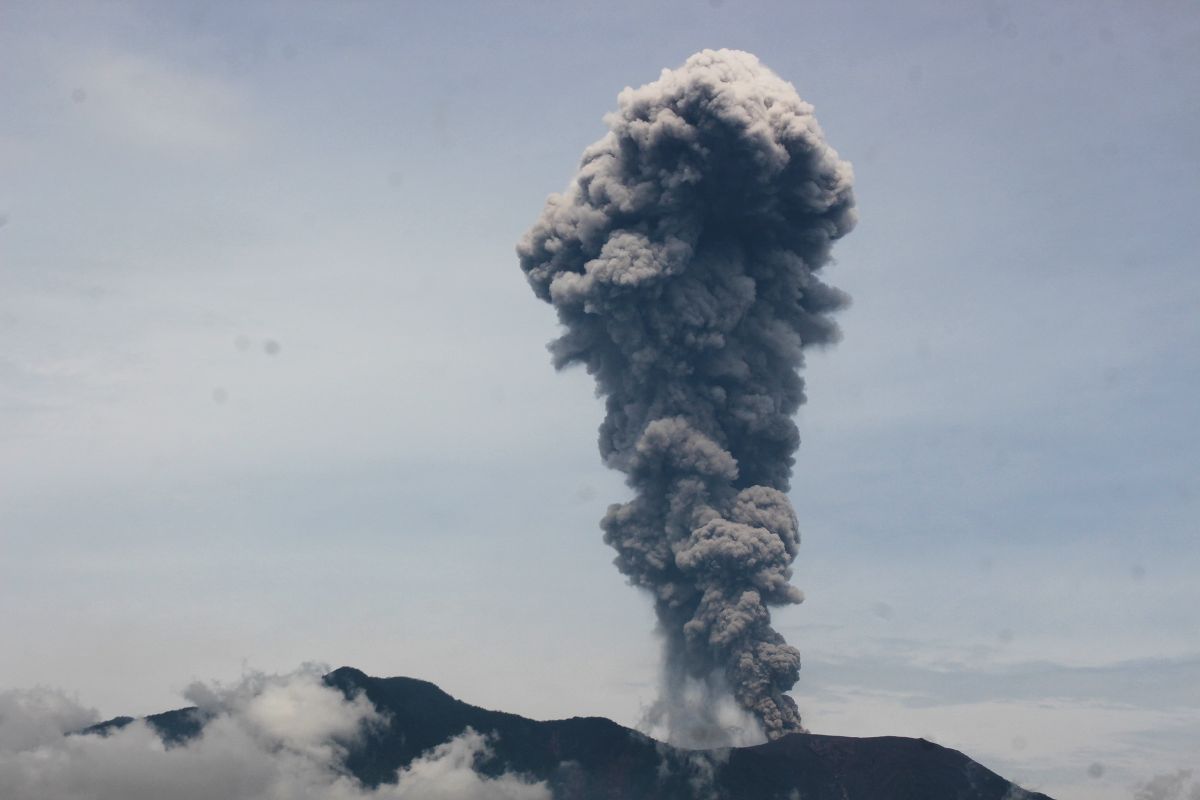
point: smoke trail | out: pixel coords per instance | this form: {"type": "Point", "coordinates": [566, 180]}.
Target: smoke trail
{"type": "Point", "coordinates": [683, 260]}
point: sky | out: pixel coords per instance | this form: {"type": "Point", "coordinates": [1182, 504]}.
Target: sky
{"type": "Point", "coordinates": [273, 389]}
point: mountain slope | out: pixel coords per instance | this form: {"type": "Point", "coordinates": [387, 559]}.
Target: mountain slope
{"type": "Point", "coordinates": [590, 758]}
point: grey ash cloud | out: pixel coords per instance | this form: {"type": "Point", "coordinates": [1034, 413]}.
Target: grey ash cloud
{"type": "Point", "coordinates": [683, 260]}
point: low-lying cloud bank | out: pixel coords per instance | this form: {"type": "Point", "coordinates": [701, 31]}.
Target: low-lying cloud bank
{"type": "Point", "coordinates": [267, 738]}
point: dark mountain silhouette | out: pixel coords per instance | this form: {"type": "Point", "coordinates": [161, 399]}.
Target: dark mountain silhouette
{"type": "Point", "coordinates": [590, 758]}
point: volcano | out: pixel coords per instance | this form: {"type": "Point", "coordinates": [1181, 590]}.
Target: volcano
{"type": "Point", "coordinates": [592, 758]}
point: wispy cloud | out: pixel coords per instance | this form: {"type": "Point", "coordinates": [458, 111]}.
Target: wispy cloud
{"type": "Point", "coordinates": [149, 103]}
{"type": "Point", "coordinates": [1071, 731]}
{"type": "Point", "coordinates": [1153, 683]}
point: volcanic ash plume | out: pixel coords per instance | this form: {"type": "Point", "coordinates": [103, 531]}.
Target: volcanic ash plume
{"type": "Point", "coordinates": [683, 261]}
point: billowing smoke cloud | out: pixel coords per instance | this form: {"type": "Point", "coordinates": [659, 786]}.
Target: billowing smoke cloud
{"type": "Point", "coordinates": [683, 262]}
{"type": "Point", "coordinates": [266, 739]}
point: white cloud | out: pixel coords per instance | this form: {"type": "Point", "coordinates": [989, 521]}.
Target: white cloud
{"type": "Point", "coordinates": [32, 718]}
{"type": "Point", "coordinates": [1170, 786]}
{"type": "Point", "coordinates": [446, 773]}
{"type": "Point", "coordinates": [268, 738]}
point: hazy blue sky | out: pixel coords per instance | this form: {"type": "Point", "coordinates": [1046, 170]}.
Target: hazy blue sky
{"type": "Point", "coordinates": [273, 389]}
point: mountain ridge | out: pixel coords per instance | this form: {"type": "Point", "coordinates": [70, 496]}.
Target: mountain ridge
{"type": "Point", "coordinates": [594, 758]}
